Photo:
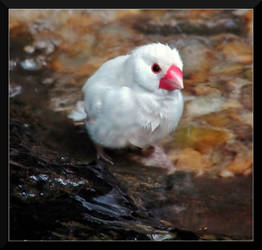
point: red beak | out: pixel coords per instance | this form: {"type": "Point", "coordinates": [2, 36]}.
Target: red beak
{"type": "Point", "coordinates": [173, 79]}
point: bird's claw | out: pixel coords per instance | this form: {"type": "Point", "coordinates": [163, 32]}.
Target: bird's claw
{"type": "Point", "coordinates": [106, 158]}
{"type": "Point", "coordinates": [102, 155]}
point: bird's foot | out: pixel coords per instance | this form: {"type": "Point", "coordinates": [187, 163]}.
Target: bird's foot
{"type": "Point", "coordinates": [147, 151]}
{"type": "Point", "coordinates": [155, 156]}
{"type": "Point", "coordinates": [102, 155]}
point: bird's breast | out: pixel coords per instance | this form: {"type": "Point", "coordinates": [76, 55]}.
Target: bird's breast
{"type": "Point", "coordinates": [160, 114]}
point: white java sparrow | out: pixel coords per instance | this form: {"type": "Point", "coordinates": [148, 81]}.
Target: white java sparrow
{"type": "Point", "coordinates": [133, 99]}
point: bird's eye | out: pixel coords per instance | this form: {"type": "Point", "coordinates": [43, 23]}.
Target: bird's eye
{"type": "Point", "coordinates": [156, 68]}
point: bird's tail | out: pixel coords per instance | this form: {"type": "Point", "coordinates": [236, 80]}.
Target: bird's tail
{"type": "Point", "coordinates": [78, 114]}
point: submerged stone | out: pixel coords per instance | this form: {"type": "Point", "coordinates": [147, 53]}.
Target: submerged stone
{"type": "Point", "coordinates": [172, 24]}
{"type": "Point", "coordinates": [227, 68]}
{"type": "Point", "coordinates": [249, 74]}
{"type": "Point", "coordinates": [246, 96]}
{"type": "Point", "coordinates": [14, 90]}
{"type": "Point", "coordinates": [190, 159]}
{"type": "Point", "coordinates": [237, 51]}
{"type": "Point", "coordinates": [29, 64]}
{"type": "Point", "coordinates": [204, 105]}
{"type": "Point", "coordinates": [240, 164]}
{"type": "Point", "coordinates": [200, 138]}
{"type": "Point", "coordinates": [221, 119]}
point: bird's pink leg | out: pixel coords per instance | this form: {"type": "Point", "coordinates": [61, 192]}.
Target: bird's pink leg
{"type": "Point", "coordinates": [101, 154]}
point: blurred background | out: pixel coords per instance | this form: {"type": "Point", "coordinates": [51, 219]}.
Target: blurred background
{"type": "Point", "coordinates": [52, 54]}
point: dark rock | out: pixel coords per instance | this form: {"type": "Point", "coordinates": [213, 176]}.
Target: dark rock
{"type": "Point", "coordinates": [167, 26]}
{"type": "Point", "coordinates": [55, 199]}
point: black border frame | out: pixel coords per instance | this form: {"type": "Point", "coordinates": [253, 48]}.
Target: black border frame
{"type": "Point", "coordinates": [163, 4]}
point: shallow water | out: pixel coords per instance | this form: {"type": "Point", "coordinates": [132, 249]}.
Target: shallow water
{"type": "Point", "coordinates": [198, 179]}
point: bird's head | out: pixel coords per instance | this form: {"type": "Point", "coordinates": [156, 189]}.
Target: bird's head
{"type": "Point", "coordinates": [156, 68]}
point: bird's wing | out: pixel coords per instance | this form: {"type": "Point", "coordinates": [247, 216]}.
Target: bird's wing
{"type": "Point", "coordinates": [111, 104]}
{"type": "Point", "coordinates": [148, 108]}
{"type": "Point", "coordinates": [106, 91]}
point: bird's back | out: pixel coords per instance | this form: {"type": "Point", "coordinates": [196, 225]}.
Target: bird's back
{"type": "Point", "coordinates": [110, 71]}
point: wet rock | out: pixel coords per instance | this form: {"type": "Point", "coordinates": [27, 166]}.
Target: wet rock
{"type": "Point", "coordinates": [196, 57]}
{"type": "Point", "coordinates": [12, 64]}
{"type": "Point", "coordinates": [34, 63]}
{"type": "Point", "coordinates": [231, 104]}
{"type": "Point", "coordinates": [233, 120]}
{"type": "Point", "coordinates": [243, 132]}
{"type": "Point", "coordinates": [238, 159]}
{"type": "Point", "coordinates": [247, 118]}
{"type": "Point", "coordinates": [227, 68]}
{"type": "Point", "coordinates": [29, 64]}
{"type": "Point", "coordinates": [193, 210]}
{"type": "Point", "coordinates": [29, 49]}
{"type": "Point", "coordinates": [221, 119]}
{"type": "Point", "coordinates": [204, 104]}
{"type": "Point", "coordinates": [200, 138]}
{"type": "Point", "coordinates": [79, 201]}
{"type": "Point", "coordinates": [203, 89]}
{"type": "Point", "coordinates": [39, 25]}
{"type": "Point", "coordinates": [74, 198]}
{"type": "Point", "coordinates": [247, 15]}
{"type": "Point", "coordinates": [170, 24]}
{"type": "Point", "coordinates": [225, 173]}
{"type": "Point", "coordinates": [249, 74]}
{"type": "Point", "coordinates": [14, 90]}
{"type": "Point", "coordinates": [40, 44]}
{"type": "Point", "coordinates": [20, 36]}
{"type": "Point", "coordinates": [48, 81]}
{"type": "Point", "coordinates": [62, 194]}
{"type": "Point", "coordinates": [47, 46]}
{"type": "Point", "coordinates": [232, 88]}
{"type": "Point", "coordinates": [240, 164]}
{"type": "Point", "coordinates": [246, 96]}
{"type": "Point", "coordinates": [189, 158]}
{"type": "Point", "coordinates": [237, 51]}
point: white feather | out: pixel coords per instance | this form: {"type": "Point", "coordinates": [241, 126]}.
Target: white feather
{"type": "Point", "coordinates": [123, 103]}
{"type": "Point", "coordinates": [79, 113]}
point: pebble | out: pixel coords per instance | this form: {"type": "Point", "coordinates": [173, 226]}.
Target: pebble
{"type": "Point", "coordinates": [40, 44]}
{"type": "Point", "coordinates": [48, 81]}
{"type": "Point", "coordinates": [13, 91]}
{"type": "Point", "coordinates": [29, 64]}
{"type": "Point", "coordinates": [29, 49]}
{"type": "Point", "coordinates": [240, 164]}
{"type": "Point", "coordinates": [226, 173]}
{"type": "Point", "coordinates": [12, 64]}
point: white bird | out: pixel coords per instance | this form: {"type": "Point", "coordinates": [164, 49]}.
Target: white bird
{"type": "Point", "coordinates": [133, 99]}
